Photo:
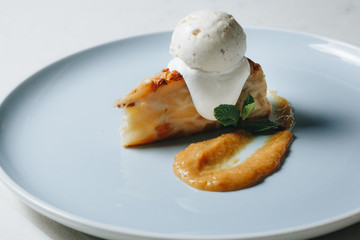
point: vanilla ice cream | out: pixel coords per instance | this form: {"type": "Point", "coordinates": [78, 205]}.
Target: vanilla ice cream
{"type": "Point", "coordinates": [208, 47]}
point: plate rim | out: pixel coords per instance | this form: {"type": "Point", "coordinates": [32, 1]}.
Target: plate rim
{"type": "Point", "coordinates": [111, 231]}
{"type": "Point", "coordinates": [100, 229]}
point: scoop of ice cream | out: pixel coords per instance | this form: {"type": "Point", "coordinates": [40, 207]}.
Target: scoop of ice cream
{"type": "Point", "coordinates": [208, 48]}
{"type": "Point", "coordinates": [209, 40]}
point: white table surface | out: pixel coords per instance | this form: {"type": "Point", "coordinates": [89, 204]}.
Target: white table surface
{"type": "Point", "coordinates": [38, 32]}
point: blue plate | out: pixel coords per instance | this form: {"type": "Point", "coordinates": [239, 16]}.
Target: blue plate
{"type": "Point", "coordinates": [60, 146]}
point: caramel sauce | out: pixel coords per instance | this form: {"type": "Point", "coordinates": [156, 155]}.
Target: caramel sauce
{"type": "Point", "coordinates": [203, 165]}
{"type": "Point", "coordinates": [212, 165]}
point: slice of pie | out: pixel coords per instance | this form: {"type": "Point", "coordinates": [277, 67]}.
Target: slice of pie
{"type": "Point", "coordinates": [161, 107]}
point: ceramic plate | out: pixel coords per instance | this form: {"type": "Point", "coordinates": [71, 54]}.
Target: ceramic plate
{"type": "Point", "coordinates": [60, 146]}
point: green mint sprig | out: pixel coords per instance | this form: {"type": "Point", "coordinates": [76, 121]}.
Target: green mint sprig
{"type": "Point", "coordinates": [227, 114]}
{"type": "Point", "coordinates": [257, 126]}
{"type": "Point", "coordinates": [230, 115]}
{"type": "Point", "coordinates": [248, 107]}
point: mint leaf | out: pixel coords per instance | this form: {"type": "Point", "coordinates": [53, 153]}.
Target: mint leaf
{"type": "Point", "coordinates": [257, 126]}
{"type": "Point", "coordinates": [248, 107]}
{"type": "Point", "coordinates": [227, 114]}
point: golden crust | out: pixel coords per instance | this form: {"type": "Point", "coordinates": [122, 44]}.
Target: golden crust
{"type": "Point", "coordinates": [164, 78]}
{"type": "Point", "coordinates": [148, 85]}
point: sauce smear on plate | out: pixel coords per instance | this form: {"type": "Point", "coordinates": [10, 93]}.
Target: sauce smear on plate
{"type": "Point", "coordinates": [212, 165]}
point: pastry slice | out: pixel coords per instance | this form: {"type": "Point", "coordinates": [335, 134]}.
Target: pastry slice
{"type": "Point", "coordinates": [161, 107]}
